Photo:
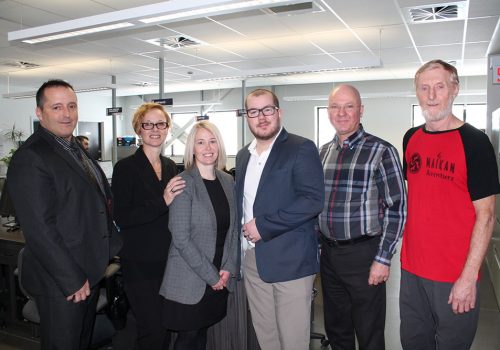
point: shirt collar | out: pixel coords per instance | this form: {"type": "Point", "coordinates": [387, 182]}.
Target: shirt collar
{"type": "Point", "coordinates": [68, 145]}
{"type": "Point", "coordinates": [253, 144]}
{"type": "Point", "coordinates": [351, 140]}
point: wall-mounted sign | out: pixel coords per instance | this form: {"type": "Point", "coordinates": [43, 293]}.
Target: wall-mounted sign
{"type": "Point", "coordinates": [496, 74]}
{"type": "Point", "coordinates": [113, 110]}
{"type": "Point", "coordinates": [201, 117]}
{"type": "Point", "coordinates": [164, 101]}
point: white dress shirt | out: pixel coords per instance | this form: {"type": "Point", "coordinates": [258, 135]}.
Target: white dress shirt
{"type": "Point", "coordinates": [255, 167]}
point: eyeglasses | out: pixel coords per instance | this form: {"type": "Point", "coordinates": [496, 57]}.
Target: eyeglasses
{"type": "Point", "coordinates": [150, 126]}
{"type": "Point", "coordinates": [266, 111]}
{"type": "Point", "coordinates": [349, 108]}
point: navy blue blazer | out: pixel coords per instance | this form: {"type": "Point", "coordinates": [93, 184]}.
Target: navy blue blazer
{"type": "Point", "coordinates": [289, 198]}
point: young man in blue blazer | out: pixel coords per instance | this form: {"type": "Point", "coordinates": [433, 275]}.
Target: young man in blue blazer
{"type": "Point", "coordinates": [279, 190]}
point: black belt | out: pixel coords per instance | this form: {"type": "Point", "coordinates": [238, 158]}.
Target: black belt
{"type": "Point", "coordinates": [336, 243]}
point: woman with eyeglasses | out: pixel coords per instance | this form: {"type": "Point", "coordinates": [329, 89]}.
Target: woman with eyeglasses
{"type": "Point", "coordinates": [144, 185]}
{"type": "Point", "coordinates": [202, 259]}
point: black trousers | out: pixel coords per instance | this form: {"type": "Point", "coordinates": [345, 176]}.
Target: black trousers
{"type": "Point", "coordinates": [191, 340]}
{"type": "Point", "coordinates": [65, 325]}
{"type": "Point", "coordinates": [141, 281]}
{"type": "Point", "coordinates": [352, 308]}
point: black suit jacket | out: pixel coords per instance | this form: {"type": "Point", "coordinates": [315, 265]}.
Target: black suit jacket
{"type": "Point", "coordinates": [139, 208]}
{"type": "Point", "coordinates": [65, 218]}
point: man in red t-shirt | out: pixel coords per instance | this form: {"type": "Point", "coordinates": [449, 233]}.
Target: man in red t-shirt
{"type": "Point", "coordinates": [452, 179]}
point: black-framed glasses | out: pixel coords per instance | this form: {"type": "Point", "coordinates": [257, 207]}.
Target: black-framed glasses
{"type": "Point", "coordinates": [266, 111]}
{"type": "Point", "coordinates": [150, 126]}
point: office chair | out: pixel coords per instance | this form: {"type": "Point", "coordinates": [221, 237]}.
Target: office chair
{"type": "Point", "coordinates": [325, 343]}
{"type": "Point", "coordinates": [101, 328]}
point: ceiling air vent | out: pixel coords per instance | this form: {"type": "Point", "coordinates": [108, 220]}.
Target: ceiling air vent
{"type": "Point", "coordinates": [20, 64]}
{"type": "Point", "coordinates": [294, 9]}
{"type": "Point", "coordinates": [437, 13]}
{"type": "Point", "coordinates": [175, 42]}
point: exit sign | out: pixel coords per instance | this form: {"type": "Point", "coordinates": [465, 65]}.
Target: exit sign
{"type": "Point", "coordinates": [496, 74]}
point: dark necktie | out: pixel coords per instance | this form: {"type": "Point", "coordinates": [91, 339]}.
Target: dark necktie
{"type": "Point", "coordinates": [84, 163]}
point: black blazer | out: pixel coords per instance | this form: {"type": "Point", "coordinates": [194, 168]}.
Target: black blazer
{"type": "Point", "coordinates": [64, 216]}
{"type": "Point", "coordinates": [139, 208]}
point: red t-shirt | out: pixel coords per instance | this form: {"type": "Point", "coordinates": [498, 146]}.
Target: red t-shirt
{"type": "Point", "coordinates": [446, 171]}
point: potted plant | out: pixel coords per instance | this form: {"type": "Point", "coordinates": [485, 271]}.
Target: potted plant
{"type": "Point", "coordinates": [16, 136]}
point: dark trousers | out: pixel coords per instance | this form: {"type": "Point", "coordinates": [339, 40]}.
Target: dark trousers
{"type": "Point", "coordinates": [65, 325]}
{"type": "Point", "coordinates": [427, 320]}
{"type": "Point", "coordinates": [191, 340]}
{"type": "Point", "coordinates": [142, 282]}
{"type": "Point", "coordinates": [352, 308]}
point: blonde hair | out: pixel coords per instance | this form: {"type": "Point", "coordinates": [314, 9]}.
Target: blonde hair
{"type": "Point", "coordinates": [141, 112]}
{"type": "Point", "coordinates": [189, 151]}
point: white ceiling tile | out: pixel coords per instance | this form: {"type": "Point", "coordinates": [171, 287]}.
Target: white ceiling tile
{"type": "Point", "coordinates": [484, 8]}
{"type": "Point", "coordinates": [451, 52]}
{"type": "Point", "coordinates": [386, 37]}
{"type": "Point", "coordinates": [476, 50]}
{"type": "Point", "coordinates": [426, 33]}
{"type": "Point", "coordinates": [336, 41]}
{"type": "Point", "coordinates": [481, 29]}
{"type": "Point", "coordinates": [397, 55]}
{"type": "Point", "coordinates": [366, 13]}
{"type": "Point", "coordinates": [243, 43]}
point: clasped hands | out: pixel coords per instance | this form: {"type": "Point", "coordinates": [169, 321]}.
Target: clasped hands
{"type": "Point", "coordinates": [222, 283]}
{"type": "Point", "coordinates": [250, 231]}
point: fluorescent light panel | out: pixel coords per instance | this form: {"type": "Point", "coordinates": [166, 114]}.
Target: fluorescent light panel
{"type": "Point", "coordinates": [214, 10]}
{"type": "Point", "coordinates": [78, 33]}
{"type": "Point", "coordinates": [167, 11]}
{"type": "Point", "coordinates": [29, 94]}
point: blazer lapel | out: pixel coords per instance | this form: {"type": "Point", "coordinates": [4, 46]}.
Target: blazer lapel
{"type": "Point", "coordinates": [228, 187]}
{"type": "Point", "coordinates": [202, 193]}
{"type": "Point", "coordinates": [271, 160]}
{"type": "Point", "coordinates": [241, 173]}
{"type": "Point", "coordinates": [64, 155]}
{"type": "Point", "coordinates": [146, 172]}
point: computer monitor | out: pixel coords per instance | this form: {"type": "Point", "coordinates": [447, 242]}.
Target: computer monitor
{"type": "Point", "coordinates": [7, 209]}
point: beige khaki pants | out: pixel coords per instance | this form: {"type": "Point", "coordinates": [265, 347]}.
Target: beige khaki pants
{"type": "Point", "coordinates": [281, 312]}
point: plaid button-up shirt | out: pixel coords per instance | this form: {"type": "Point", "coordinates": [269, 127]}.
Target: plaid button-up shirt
{"type": "Point", "coordinates": [365, 192]}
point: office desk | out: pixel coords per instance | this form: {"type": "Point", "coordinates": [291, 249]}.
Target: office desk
{"type": "Point", "coordinates": [10, 245]}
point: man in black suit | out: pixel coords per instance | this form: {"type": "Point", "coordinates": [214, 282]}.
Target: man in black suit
{"type": "Point", "coordinates": [63, 203]}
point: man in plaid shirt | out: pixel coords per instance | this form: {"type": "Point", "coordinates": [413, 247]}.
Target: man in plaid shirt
{"type": "Point", "coordinates": [361, 223]}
